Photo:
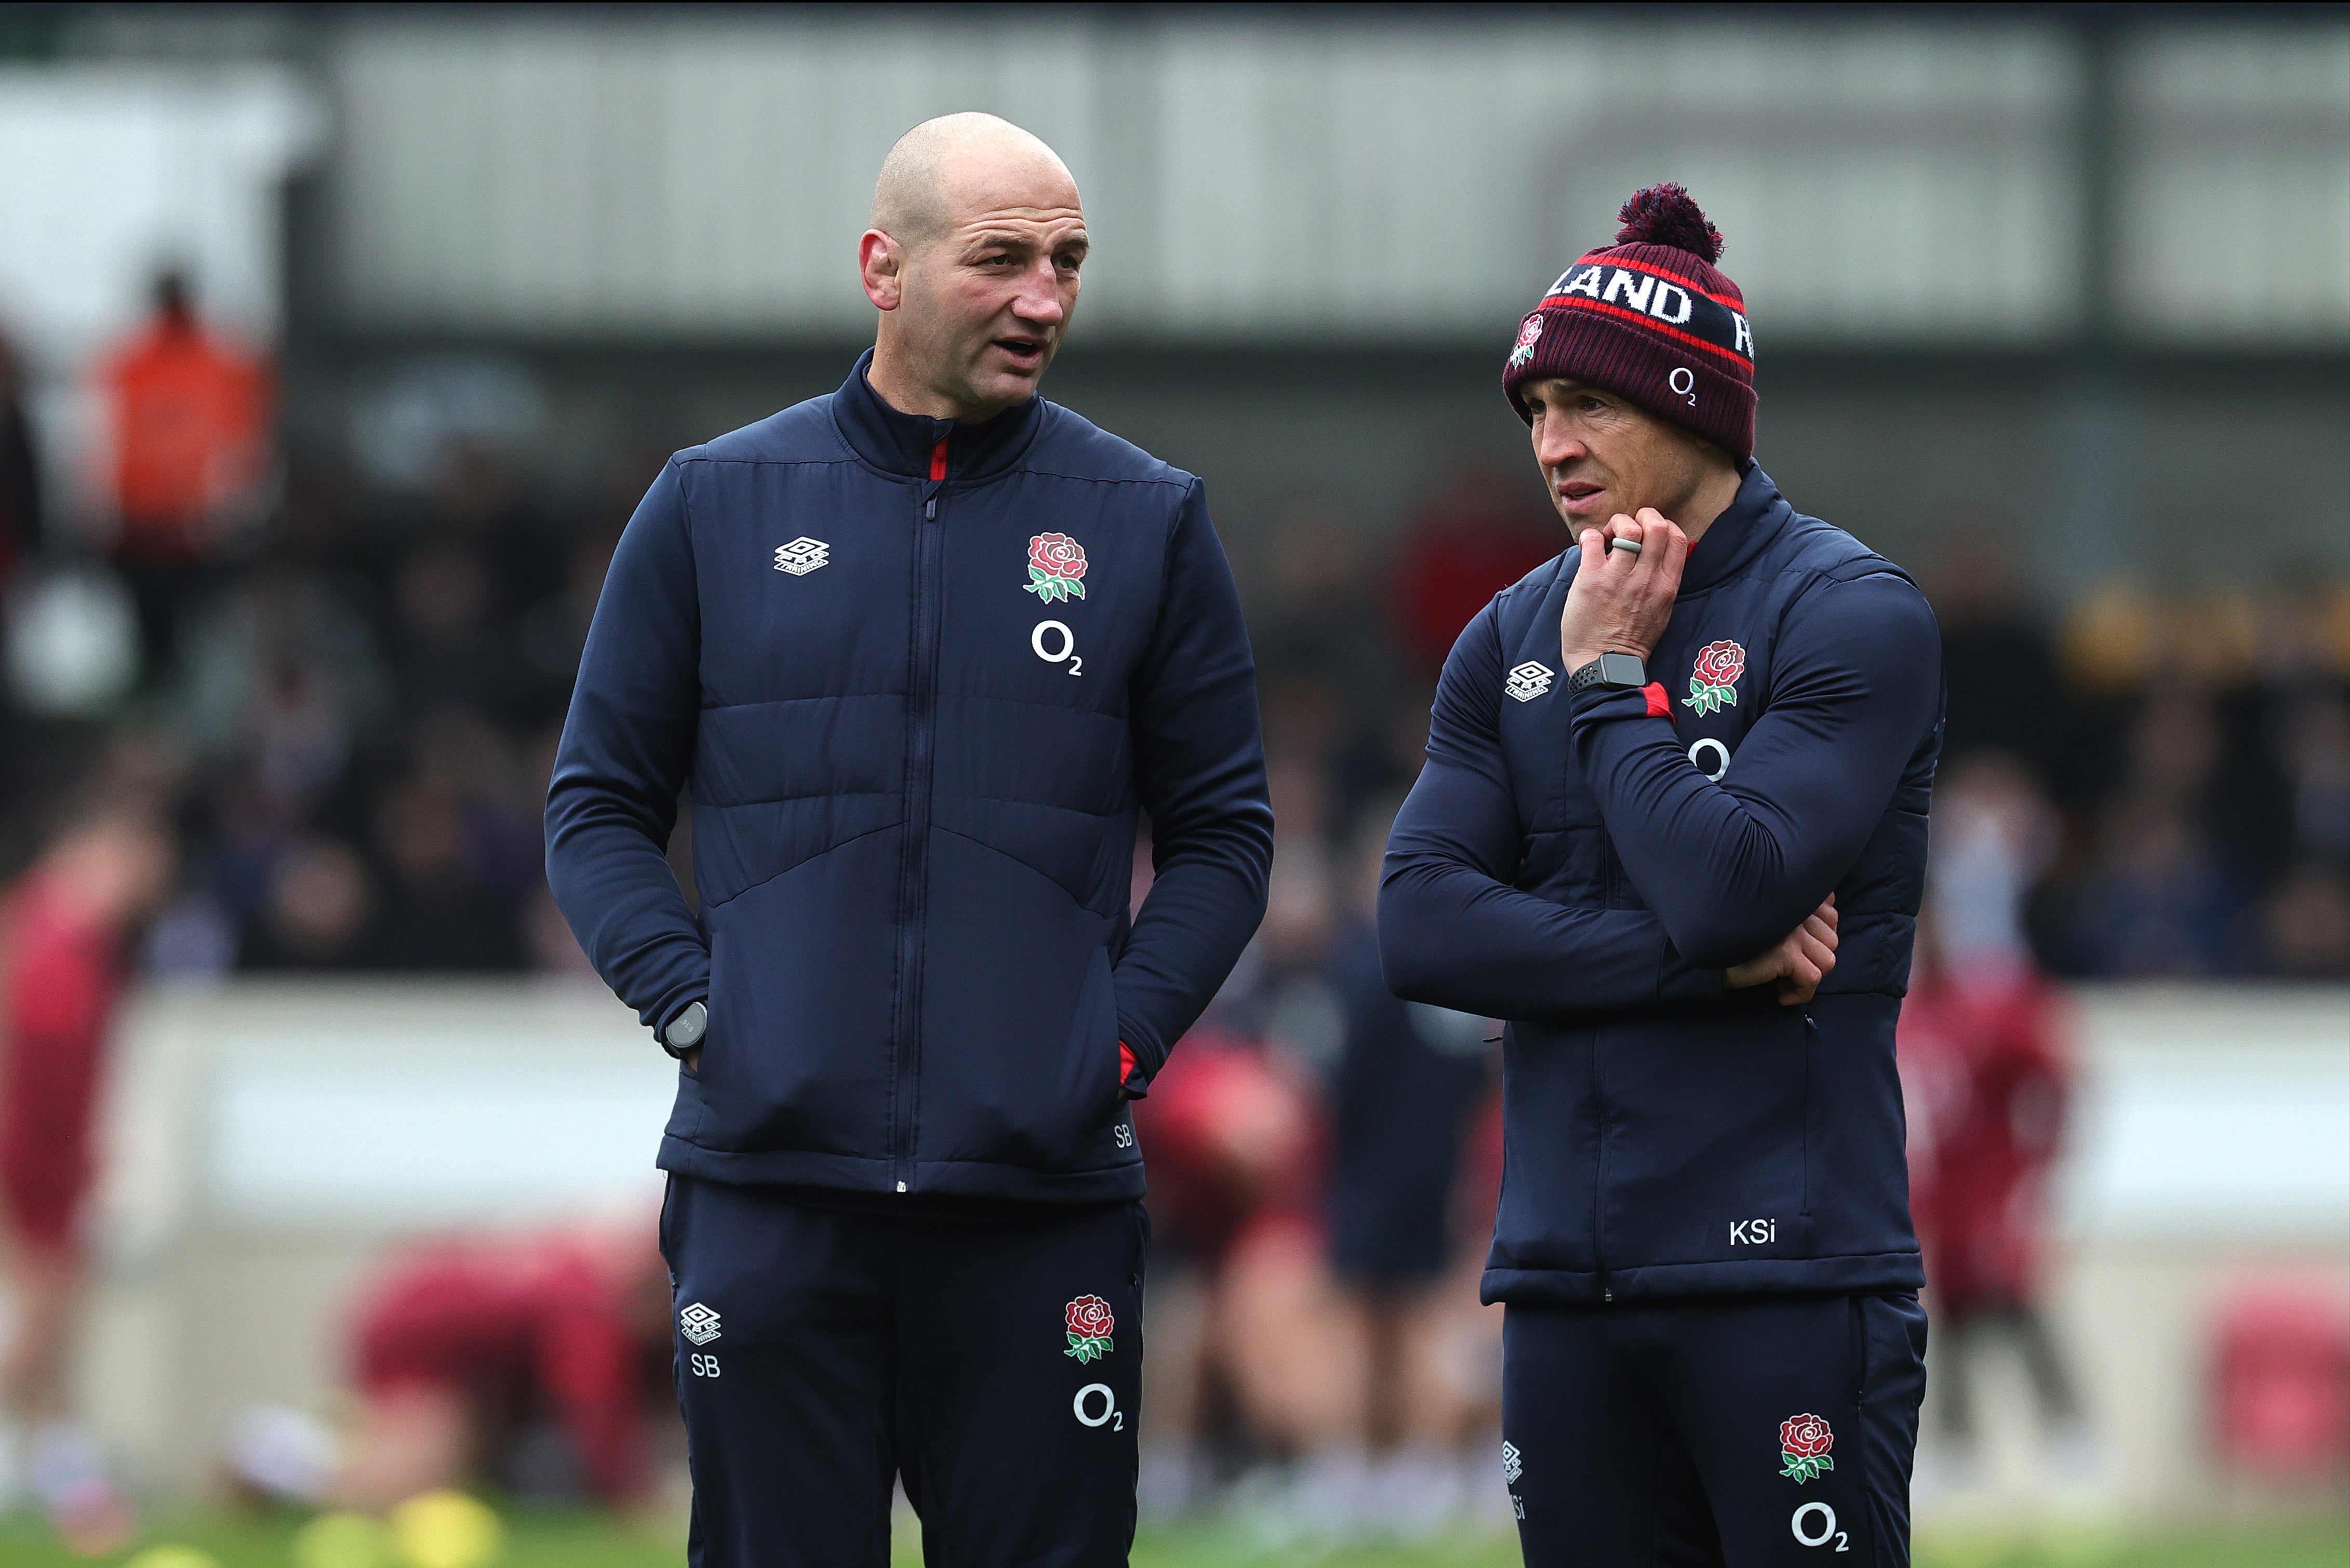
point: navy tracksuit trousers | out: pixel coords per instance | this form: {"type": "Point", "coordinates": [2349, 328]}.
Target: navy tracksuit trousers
{"type": "Point", "coordinates": [1747, 1432]}
{"type": "Point", "coordinates": [992, 1357]}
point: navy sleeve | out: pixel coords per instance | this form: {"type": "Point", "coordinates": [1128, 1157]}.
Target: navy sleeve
{"type": "Point", "coordinates": [1199, 764]}
{"type": "Point", "coordinates": [1731, 867]}
{"type": "Point", "coordinates": [1453, 931]}
{"type": "Point", "coordinates": [627, 747]}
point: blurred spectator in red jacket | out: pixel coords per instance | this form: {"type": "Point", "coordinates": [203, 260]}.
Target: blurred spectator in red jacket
{"type": "Point", "coordinates": [191, 417]}
{"type": "Point", "coordinates": [65, 930]}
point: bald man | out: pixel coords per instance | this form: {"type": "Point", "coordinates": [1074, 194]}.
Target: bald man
{"type": "Point", "coordinates": [922, 650]}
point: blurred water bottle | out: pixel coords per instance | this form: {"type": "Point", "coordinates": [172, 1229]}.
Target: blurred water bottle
{"type": "Point", "coordinates": [73, 640]}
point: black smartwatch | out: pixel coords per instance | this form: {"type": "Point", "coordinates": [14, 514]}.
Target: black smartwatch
{"type": "Point", "coordinates": [685, 1031]}
{"type": "Point", "coordinates": [1612, 671]}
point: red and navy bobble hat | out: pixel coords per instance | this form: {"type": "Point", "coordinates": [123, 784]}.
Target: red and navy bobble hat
{"type": "Point", "coordinates": [1649, 319]}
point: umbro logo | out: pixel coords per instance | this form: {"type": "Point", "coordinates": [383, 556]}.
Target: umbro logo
{"type": "Point", "coordinates": [698, 1323]}
{"type": "Point", "coordinates": [1529, 680]}
{"type": "Point", "coordinates": [802, 556]}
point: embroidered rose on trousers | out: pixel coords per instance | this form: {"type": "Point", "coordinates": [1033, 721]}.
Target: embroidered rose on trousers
{"type": "Point", "coordinates": [1089, 1328]}
{"type": "Point", "coordinates": [1713, 680]}
{"type": "Point", "coordinates": [1804, 1444]}
{"type": "Point", "coordinates": [1056, 567]}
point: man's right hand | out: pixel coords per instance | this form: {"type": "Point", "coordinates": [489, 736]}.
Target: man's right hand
{"type": "Point", "coordinates": [1798, 963]}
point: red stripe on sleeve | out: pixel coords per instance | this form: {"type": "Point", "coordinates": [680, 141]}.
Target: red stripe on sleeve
{"type": "Point", "coordinates": [1659, 705]}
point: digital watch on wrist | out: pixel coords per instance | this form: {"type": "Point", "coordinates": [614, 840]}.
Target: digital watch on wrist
{"type": "Point", "coordinates": [685, 1031]}
{"type": "Point", "coordinates": [1611, 671]}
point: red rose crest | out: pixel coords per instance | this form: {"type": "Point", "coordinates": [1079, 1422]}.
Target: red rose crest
{"type": "Point", "coordinates": [1803, 1445]}
{"type": "Point", "coordinates": [1713, 681]}
{"type": "Point", "coordinates": [1056, 567]}
{"type": "Point", "coordinates": [1090, 1325]}
{"type": "Point", "coordinates": [1529, 333]}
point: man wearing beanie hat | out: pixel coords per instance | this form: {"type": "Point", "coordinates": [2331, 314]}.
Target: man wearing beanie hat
{"type": "Point", "coordinates": [1672, 826]}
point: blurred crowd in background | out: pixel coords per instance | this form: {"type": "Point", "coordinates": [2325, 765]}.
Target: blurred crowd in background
{"type": "Point", "coordinates": [345, 703]}
{"type": "Point", "coordinates": [358, 694]}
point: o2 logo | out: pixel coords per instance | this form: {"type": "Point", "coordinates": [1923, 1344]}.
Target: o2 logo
{"type": "Point", "coordinates": [1045, 632]}
{"type": "Point", "coordinates": [1081, 1407]}
{"type": "Point", "coordinates": [1814, 1524]}
{"type": "Point", "coordinates": [702, 1365]}
{"type": "Point", "coordinates": [1713, 751]}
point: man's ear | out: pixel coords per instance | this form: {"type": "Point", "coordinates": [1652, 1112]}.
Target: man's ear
{"type": "Point", "coordinates": [881, 262]}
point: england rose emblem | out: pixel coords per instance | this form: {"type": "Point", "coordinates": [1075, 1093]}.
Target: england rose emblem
{"type": "Point", "coordinates": [1090, 1325]}
{"type": "Point", "coordinates": [1056, 567]}
{"type": "Point", "coordinates": [1803, 1445]}
{"type": "Point", "coordinates": [1714, 680]}
{"type": "Point", "coordinates": [1529, 333]}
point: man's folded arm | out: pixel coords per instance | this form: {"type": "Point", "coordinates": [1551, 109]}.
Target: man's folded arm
{"type": "Point", "coordinates": [1454, 933]}
{"type": "Point", "coordinates": [627, 747]}
{"type": "Point", "coordinates": [1731, 867]}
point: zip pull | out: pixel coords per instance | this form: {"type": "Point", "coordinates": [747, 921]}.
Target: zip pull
{"type": "Point", "coordinates": [938, 461]}
{"type": "Point", "coordinates": [931, 509]}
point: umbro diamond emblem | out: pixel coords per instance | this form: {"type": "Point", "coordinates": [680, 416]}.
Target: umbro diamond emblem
{"type": "Point", "coordinates": [698, 1323]}
{"type": "Point", "coordinates": [802, 556]}
{"type": "Point", "coordinates": [1529, 680]}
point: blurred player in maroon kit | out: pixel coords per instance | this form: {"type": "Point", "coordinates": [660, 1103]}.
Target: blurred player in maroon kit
{"type": "Point", "coordinates": [63, 935]}
{"type": "Point", "coordinates": [469, 1354]}
{"type": "Point", "coordinates": [1987, 1078]}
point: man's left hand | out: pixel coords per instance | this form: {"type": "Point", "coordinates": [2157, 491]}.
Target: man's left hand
{"type": "Point", "coordinates": [1619, 602]}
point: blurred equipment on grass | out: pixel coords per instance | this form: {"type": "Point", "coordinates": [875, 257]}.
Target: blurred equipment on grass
{"type": "Point", "coordinates": [447, 1529]}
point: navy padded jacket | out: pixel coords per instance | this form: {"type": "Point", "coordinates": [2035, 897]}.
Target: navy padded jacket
{"type": "Point", "coordinates": [1588, 868]}
{"type": "Point", "coordinates": [915, 785]}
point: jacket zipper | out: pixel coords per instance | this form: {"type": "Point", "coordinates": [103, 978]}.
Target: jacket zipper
{"type": "Point", "coordinates": [914, 877]}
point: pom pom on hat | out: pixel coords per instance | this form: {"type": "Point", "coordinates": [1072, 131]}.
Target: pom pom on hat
{"type": "Point", "coordinates": [1666, 216]}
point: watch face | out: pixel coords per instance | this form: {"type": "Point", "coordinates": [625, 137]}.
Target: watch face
{"type": "Point", "coordinates": [1621, 670]}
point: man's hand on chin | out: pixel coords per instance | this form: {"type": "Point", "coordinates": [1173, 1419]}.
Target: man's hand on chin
{"type": "Point", "coordinates": [1621, 599]}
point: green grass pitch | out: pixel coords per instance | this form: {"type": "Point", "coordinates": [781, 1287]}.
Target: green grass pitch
{"type": "Point", "coordinates": [592, 1541]}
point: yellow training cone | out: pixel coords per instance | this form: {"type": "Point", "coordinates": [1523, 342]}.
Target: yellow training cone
{"type": "Point", "coordinates": [343, 1540]}
{"type": "Point", "coordinates": [446, 1529]}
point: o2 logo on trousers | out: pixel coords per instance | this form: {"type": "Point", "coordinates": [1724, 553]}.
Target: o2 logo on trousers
{"type": "Point", "coordinates": [1814, 1524]}
{"type": "Point", "coordinates": [1046, 632]}
{"type": "Point", "coordinates": [1110, 1416]}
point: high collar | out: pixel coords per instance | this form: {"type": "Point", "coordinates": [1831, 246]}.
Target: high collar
{"type": "Point", "coordinates": [904, 444]}
{"type": "Point", "coordinates": [1752, 520]}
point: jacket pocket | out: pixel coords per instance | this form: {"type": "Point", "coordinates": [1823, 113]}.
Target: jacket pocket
{"type": "Point", "coordinates": [802, 972]}
{"type": "Point", "coordinates": [1019, 1018]}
